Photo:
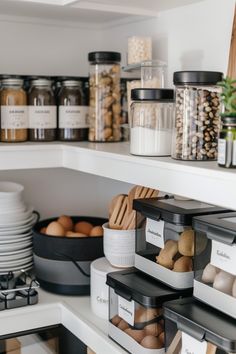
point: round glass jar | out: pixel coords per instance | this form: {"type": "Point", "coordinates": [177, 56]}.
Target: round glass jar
{"type": "Point", "coordinates": [227, 143]}
{"type": "Point", "coordinates": [73, 116]}
{"type": "Point", "coordinates": [42, 111]}
{"type": "Point", "coordinates": [151, 122]}
{"type": "Point", "coordinates": [14, 115]}
{"type": "Point", "coordinates": [197, 115]}
{"type": "Point", "coordinates": [104, 104]}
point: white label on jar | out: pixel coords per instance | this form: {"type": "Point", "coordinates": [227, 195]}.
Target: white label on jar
{"type": "Point", "coordinates": [234, 154]}
{"type": "Point", "coordinates": [224, 256]}
{"type": "Point", "coordinates": [42, 117]}
{"type": "Point", "coordinates": [74, 117]}
{"type": "Point", "coordinates": [126, 310]}
{"type": "Point", "coordinates": [191, 345]}
{"type": "Point", "coordinates": [14, 117]}
{"type": "Point", "coordinates": [155, 232]}
{"type": "Point", "coordinates": [221, 151]}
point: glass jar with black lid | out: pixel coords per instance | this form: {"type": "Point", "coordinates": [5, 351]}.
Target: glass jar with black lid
{"type": "Point", "coordinates": [227, 143]}
{"type": "Point", "coordinates": [42, 111]}
{"type": "Point", "coordinates": [73, 115]}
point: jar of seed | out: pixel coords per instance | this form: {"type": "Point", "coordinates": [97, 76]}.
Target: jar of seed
{"type": "Point", "coordinates": [227, 143]}
{"type": "Point", "coordinates": [14, 115]}
{"type": "Point", "coordinates": [104, 104]}
{"type": "Point", "coordinates": [197, 115]}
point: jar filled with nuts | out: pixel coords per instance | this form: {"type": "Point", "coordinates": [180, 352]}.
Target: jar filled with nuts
{"type": "Point", "coordinates": [197, 116]}
{"type": "Point", "coordinates": [14, 115]}
{"type": "Point", "coordinates": [104, 106]}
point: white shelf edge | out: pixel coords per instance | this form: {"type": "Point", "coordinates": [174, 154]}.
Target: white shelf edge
{"type": "Point", "coordinates": [203, 181]}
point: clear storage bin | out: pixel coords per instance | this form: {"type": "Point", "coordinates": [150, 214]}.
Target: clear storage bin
{"type": "Point", "coordinates": [135, 311]}
{"type": "Point", "coordinates": [153, 74]}
{"type": "Point", "coordinates": [215, 261]}
{"type": "Point", "coordinates": [193, 327]}
{"type": "Point", "coordinates": [197, 115]}
{"type": "Point", "coordinates": [165, 243]}
{"type": "Point", "coordinates": [151, 122]}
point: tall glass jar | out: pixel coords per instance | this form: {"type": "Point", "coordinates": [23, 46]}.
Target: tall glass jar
{"type": "Point", "coordinates": [197, 115]}
{"type": "Point", "coordinates": [105, 107]}
{"type": "Point", "coordinates": [14, 118]}
{"type": "Point", "coordinates": [73, 115]}
{"type": "Point", "coordinates": [151, 122]}
{"type": "Point", "coordinates": [42, 111]}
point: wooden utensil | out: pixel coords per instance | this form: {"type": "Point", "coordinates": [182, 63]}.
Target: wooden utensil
{"type": "Point", "coordinates": [118, 213]}
{"type": "Point", "coordinates": [175, 346]}
{"type": "Point", "coordinates": [211, 348]}
{"type": "Point", "coordinates": [139, 192]}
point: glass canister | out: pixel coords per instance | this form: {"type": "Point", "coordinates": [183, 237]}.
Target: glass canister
{"type": "Point", "coordinates": [42, 111]}
{"type": "Point", "coordinates": [227, 143]}
{"type": "Point", "coordinates": [197, 115]}
{"type": "Point", "coordinates": [151, 122]}
{"type": "Point", "coordinates": [14, 117]}
{"type": "Point", "coordinates": [73, 116]}
{"type": "Point", "coordinates": [105, 107]}
{"type": "Point", "coordinates": [139, 49]}
{"type": "Point", "coordinates": [153, 74]}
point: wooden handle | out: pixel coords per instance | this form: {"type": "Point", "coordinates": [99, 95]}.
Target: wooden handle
{"type": "Point", "coordinates": [175, 346]}
{"type": "Point", "coordinates": [211, 348]}
{"type": "Point", "coordinates": [232, 55]}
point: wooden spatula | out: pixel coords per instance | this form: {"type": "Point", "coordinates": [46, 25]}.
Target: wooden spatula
{"type": "Point", "coordinates": [119, 211]}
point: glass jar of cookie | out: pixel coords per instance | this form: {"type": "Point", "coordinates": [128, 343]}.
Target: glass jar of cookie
{"type": "Point", "coordinates": [104, 105]}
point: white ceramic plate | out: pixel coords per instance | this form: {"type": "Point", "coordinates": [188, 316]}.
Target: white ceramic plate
{"type": "Point", "coordinates": [26, 267]}
{"type": "Point", "coordinates": [11, 225]}
{"type": "Point", "coordinates": [11, 247]}
{"type": "Point", "coordinates": [15, 217]}
{"type": "Point", "coordinates": [11, 253]}
{"type": "Point", "coordinates": [13, 238]}
{"type": "Point", "coordinates": [17, 263]}
{"type": "Point", "coordinates": [21, 229]}
{"type": "Point", "coordinates": [15, 257]}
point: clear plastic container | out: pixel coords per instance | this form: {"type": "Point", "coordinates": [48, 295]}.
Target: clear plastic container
{"type": "Point", "coordinates": [139, 49]}
{"type": "Point", "coordinates": [215, 261]}
{"type": "Point", "coordinates": [165, 241]}
{"type": "Point", "coordinates": [153, 74]}
{"type": "Point", "coordinates": [105, 106]}
{"type": "Point", "coordinates": [197, 115]}
{"type": "Point", "coordinates": [151, 122]}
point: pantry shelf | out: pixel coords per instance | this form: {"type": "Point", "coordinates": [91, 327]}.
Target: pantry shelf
{"type": "Point", "coordinates": [203, 181]}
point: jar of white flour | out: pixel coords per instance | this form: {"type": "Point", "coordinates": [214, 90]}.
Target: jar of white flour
{"type": "Point", "coordinates": [152, 119]}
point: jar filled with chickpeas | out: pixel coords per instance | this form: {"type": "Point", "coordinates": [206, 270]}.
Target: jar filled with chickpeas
{"type": "Point", "coordinates": [104, 105]}
{"type": "Point", "coordinates": [14, 114]}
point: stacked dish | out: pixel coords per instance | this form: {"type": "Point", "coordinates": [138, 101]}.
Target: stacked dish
{"type": "Point", "coordinates": [16, 221]}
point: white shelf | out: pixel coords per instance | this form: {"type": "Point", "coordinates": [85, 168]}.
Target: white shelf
{"type": "Point", "coordinates": [203, 181]}
{"type": "Point", "coordinates": [72, 312]}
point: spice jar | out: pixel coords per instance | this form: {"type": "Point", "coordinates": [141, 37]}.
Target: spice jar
{"type": "Point", "coordinates": [153, 74]}
{"type": "Point", "coordinates": [73, 116]}
{"type": "Point", "coordinates": [227, 143]}
{"type": "Point", "coordinates": [197, 115]}
{"type": "Point", "coordinates": [42, 111]}
{"type": "Point", "coordinates": [14, 118]}
{"type": "Point", "coordinates": [105, 107]}
{"type": "Point", "coordinates": [139, 49]}
{"type": "Point", "coordinates": [151, 121]}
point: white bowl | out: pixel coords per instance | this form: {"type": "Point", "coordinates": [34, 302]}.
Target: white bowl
{"type": "Point", "coordinates": [11, 191]}
{"type": "Point", "coordinates": [119, 246]}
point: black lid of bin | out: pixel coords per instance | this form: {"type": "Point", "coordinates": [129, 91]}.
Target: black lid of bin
{"type": "Point", "coordinates": [219, 227]}
{"type": "Point", "coordinates": [174, 211]}
{"type": "Point", "coordinates": [202, 322]}
{"type": "Point", "coordinates": [104, 57]}
{"type": "Point", "coordinates": [132, 284]}
{"type": "Point", "coordinates": [197, 77]}
{"type": "Point", "coordinates": [147, 94]}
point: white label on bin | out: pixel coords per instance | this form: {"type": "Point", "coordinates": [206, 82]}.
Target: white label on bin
{"type": "Point", "coordinates": [155, 232]}
{"type": "Point", "coordinates": [73, 117]}
{"type": "Point", "coordinates": [221, 151]}
{"type": "Point", "coordinates": [191, 345]}
{"type": "Point", "coordinates": [42, 117]}
{"type": "Point", "coordinates": [224, 256]}
{"type": "Point", "coordinates": [14, 117]}
{"type": "Point", "coordinates": [126, 310]}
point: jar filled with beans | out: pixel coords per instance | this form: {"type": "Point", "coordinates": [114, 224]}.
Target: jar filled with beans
{"type": "Point", "coordinates": [197, 115]}
{"type": "Point", "coordinates": [104, 105]}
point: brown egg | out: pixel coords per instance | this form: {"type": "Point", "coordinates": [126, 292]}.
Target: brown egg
{"type": "Point", "coordinates": [96, 231]}
{"type": "Point", "coordinates": [136, 334]}
{"type": "Point", "coordinates": [75, 234]}
{"type": "Point", "coordinates": [153, 329]}
{"type": "Point", "coordinates": [123, 325]}
{"type": "Point", "coordinates": [116, 320]}
{"type": "Point", "coordinates": [55, 229]}
{"type": "Point", "coordinates": [66, 222]}
{"type": "Point", "coordinates": [43, 230]}
{"type": "Point", "coordinates": [84, 227]}
{"type": "Point", "coordinates": [162, 337]}
{"type": "Point", "coordinates": [144, 315]}
{"type": "Point", "coordinates": [152, 342]}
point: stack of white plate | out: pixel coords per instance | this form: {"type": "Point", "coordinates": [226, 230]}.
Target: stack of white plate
{"type": "Point", "coordinates": [16, 221]}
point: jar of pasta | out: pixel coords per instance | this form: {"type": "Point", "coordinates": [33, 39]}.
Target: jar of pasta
{"type": "Point", "coordinates": [14, 117]}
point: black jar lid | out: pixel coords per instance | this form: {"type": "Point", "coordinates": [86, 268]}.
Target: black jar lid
{"type": "Point", "coordinates": [197, 77]}
{"type": "Point", "coordinates": [227, 120]}
{"type": "Point", "coordinates": [104, 57]}
{"type": "Point", "coordinates": [146, 94]}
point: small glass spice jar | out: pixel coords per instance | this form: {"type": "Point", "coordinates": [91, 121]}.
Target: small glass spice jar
{"type": "Point", "coordinates": [73, 116]}
{"type": "Point", "coordinates": [227, 143]}
{"type": "Point", "coordinates": [152, 122]}
{"type": "Point", "coordinates": [42, 111]}
{"type": "Point", "coordinates": [14, 114]}
{"type": "Point", "coordinates": [139, 49]}
{"type": "Point", "coordinates": [104, 104]}
{"type": "Point", "coordinates": [197, 115]}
